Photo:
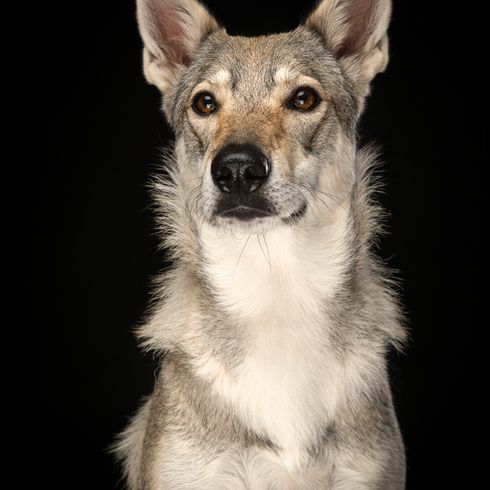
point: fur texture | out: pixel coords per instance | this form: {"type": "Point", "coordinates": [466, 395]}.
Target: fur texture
{"type": "Point", "coordinates": [274, 330]}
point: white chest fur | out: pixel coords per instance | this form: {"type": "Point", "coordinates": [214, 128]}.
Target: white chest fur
{"type": "Point", "coordinates": [290, 382]}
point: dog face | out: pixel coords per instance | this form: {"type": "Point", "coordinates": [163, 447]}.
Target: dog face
{"type": "Point", "coordinates": [263, 124]}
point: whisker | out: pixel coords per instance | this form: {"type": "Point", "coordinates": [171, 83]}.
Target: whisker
{"type": "Point", "coordinates": [196, 208]}
{"type": "Point", "coordinates": [312, 193]}
{"type": "Point", "coordinates": [201, 214]}
{"type": "Point", "coordinates": [269, 255]}
{"type": "Point", "coordinates": [241, 253]}
{"type": "Point", "coordinates": [297, 188]}
{"type": "Point", "coordinates": [318, 191]}
{"type": "Point", "coordinates": [190, 199]}
{"type": "Point", "coordinates": [262, 250]}
{"type": "Point", "coordinates": [264, 234]}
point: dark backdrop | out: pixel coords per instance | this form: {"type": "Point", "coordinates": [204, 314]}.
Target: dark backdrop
{"type": "Point", "coordinates": [95, 250]}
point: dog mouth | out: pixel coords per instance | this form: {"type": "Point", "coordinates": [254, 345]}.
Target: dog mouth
{"type": "Point", "coordinates": [245, 213]}
{"type": "Point", "coordinates": [255, 210]}
{"type": "Point", "coordinates": [244, 208]}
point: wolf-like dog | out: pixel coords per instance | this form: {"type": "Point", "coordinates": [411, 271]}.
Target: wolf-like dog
{"type": "Point", "coordinates": [275, 320]}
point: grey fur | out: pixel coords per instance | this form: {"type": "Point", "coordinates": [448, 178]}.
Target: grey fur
{"type": "Point", "coordinates": [191, 433]}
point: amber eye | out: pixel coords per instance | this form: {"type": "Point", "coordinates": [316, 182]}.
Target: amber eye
{"type": "Point", "coordinates": [304, 99]}
{"type": "Point", "coordinates": [204, 104]}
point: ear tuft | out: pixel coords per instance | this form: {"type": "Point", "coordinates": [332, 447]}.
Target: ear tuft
{"type": "Point", "coordinates": [171, 30]}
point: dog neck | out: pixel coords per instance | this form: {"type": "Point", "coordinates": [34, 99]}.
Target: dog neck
{"type": "Point", "coordinates": [276, 288]}
{"type": "Point", "coordinates": [284, 275]}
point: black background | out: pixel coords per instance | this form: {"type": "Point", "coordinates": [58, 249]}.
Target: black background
{"type": "Point", "coordinates": [95, 251]}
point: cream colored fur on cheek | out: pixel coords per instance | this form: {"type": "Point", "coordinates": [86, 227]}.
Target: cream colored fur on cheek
{"type": "Point", "coordinates": [288, 386]}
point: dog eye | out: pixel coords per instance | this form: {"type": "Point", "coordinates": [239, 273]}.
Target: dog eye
{"type": "Point", "coordinates": [204, 104]}
{"type": "Point", "coordinates": [304, 99]}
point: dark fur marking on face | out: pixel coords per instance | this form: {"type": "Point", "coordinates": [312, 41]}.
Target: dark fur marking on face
{"type": "Point", "coordinates": [308, 146]}
{"type": "Point", "coordinates": [234, 77]}
{"type": "Point", "coordinates": [200, 142]}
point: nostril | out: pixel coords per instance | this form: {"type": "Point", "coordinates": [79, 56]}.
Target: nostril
{"type": "Point", "coordinates": [224, 173]}
{"type": "Point", "coordinates": [253, 176]}
{"type": "Point", "coordinates": [223, 177]}
{"type": "Point", "coordinates": [255, 171]}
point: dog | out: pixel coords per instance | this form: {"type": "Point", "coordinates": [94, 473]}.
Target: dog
{"type": "Point", "coordinates": [275, 320]}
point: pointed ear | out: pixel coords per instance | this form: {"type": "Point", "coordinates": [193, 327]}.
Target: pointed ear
{"type": "Point", "coordinates": [356, 32]}
{"type": "Point", "coordinates": [171, 31]}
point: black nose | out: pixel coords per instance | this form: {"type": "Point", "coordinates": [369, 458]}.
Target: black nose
{"type": "Point", "coordinates": [239, 168]}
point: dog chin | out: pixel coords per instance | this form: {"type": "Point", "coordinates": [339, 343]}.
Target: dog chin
{"type": "Point", "coordinates": [257, 224]}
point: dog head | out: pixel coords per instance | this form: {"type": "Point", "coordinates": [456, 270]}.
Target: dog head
{"type": "Point", "coordinates": [265, 126]}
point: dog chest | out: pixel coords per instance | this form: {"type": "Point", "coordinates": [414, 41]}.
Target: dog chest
{"type": "Point", "coordinates": [290, 381]}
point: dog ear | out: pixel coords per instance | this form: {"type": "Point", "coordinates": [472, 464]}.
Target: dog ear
{"type": "Point", "coordinates": [171, 31]}
{"type": "Point", "coordinates": [356, 32]}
